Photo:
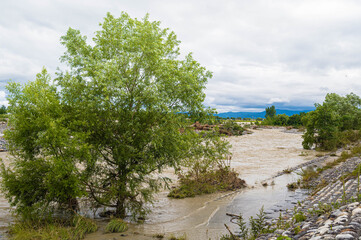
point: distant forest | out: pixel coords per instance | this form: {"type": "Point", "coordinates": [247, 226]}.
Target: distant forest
{"type": "Point", "coordinates": [255, 115]}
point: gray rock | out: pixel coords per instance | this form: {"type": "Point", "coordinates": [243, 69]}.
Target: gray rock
{"type": "Point", "coordinates": [351, 233]}
{"type": "Point", "coordinates": [323, 230]}
{"type": "Point", "coordinates": [336, 213]}
{"type": "Point", "coordinates": [316, 238]}
{"type": "Point", "coordinates": [286, 233]}
{"type": "Point", "coordinates": [344, 236]}
{"type": "Point", "coordinates": [356, 225]}
{"type": "Point", "coordinates": [356, 212]}
{"type": "Point", "coordinates": [328, 237]}
{"type": "Point", "coordinates": [306, 225]}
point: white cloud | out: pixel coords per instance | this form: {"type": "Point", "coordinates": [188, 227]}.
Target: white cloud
{"type": "Point", "coordinates": [285, 52]}
{"type": "Point", "coordinates": [278, 100]}
{"type": "Point", "coordinates": [3, 100]}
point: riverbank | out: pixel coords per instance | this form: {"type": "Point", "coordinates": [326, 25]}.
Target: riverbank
{"type": "Point", "coordinates": [256, 157]}
{"type": "Point", "coordinates": [332, 211]}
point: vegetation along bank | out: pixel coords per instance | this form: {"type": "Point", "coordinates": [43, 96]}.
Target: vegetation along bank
{"type": "Point", "coordinates": [128, 107]}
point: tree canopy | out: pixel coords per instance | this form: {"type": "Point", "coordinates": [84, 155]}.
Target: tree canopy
{"type": "Point", "coordinates": [270, 112]}
{"type": "Point", "coordinates": [334, 122]}
{"type": "Point", "coordinates": [106, 125]}
{"type": "Point", "coordinates": [3, 109]}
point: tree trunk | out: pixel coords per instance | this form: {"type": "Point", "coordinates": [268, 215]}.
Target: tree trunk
{"type": "Point", "coordinates": [120, 209]}
{"type": "Point", "coordinates": [73, 204]}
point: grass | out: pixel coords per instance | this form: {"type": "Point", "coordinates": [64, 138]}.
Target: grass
{"type": "Point", "coordinates": [303, 154]}
{"type": "Point", "coordinates": [356, 172]}
{"type": "Point", "coordinates": [54, 230]}
{"type": "Point", "coordinates": [158, 235]}
{"type": "Point", "coordinates": [116, 225]}
{"type": "Point", "coordinates": [21, 231]}
{"type": "Point", "coordinates": [83, 226]}
{"type": "Point", "coordinates": [222, 179]}
{"type": "Point", "coordinates": [177, 238]}
{"type": "Point", "coordinates": [287, 170]}
{"type": "Point", "coordinates": [292, 186]}
{"type": "Point", "coordinates": [299, 217]}
{"type": "Point", "coordinates": [307, 175]}
{"type": "Point", "coordinates": [257, 226]}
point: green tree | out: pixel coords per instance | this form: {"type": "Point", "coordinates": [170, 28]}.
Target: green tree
{"type": "Point", "coordinates": [270, 112]}
{"type": "Point", "coordinates": [296, 119]}
{"type": "Point", "coordinates": [43, 169]}
{"type": "Point", "coordinates": [329, 126]}
{"type": "Point", "coordinates": [3, 109]}
{"type": "Point", "coordinates": [280, 120]}
{"type": "Point", "coordinates": [112, 121]}
{"type": "Point", "coordinates": [321, 128]}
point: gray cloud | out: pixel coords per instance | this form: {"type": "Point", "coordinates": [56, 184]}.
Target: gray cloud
{"type": "Point", "coordinates": [290, 53]}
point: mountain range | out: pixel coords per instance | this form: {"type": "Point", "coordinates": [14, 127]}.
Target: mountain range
{"type": "Point", "coordinates": [255, 115]}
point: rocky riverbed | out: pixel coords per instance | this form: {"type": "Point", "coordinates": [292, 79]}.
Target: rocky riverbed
{"type": "Point", "coordinates": [332, 212]}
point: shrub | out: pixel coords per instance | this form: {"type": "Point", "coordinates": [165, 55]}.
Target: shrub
{"type": "Point", "coordinates": [221, 179]}
{"type": "Point", "coordinates": [333, 122]}
{"type": "Point", "coordinates": [83, 226]}
{"type": "Point", "coordinates": [299, 217]}
{"type": "Point", "coordinates": [292, 186]}
{"type": "Point", "coordinates": [280, 120]}
{"type": "Point", "coordinates": [116, 225]}
{"type": "Point", "coordinates": [52, 228]}
{"type": "Point", "coordinates": [233, 127]}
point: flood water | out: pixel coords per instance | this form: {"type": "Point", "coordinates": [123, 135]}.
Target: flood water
{"type": "Point", "coordinates": [256, 157]}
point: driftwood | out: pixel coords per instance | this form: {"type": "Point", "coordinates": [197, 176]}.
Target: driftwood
{"type": "Point", "coordinates": [230, 232]}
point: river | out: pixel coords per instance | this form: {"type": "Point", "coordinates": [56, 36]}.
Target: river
{"type": "Point", "coordinates": [256, 157]}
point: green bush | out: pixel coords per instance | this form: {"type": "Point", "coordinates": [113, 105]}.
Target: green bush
{"type": "Point", "coordinates": [222, 179]}
{"type": "Point", "coordinates": [233, 127]}
{"type": "Point", "coordinates": [3, 110]}
{"type": "Point", "coordinates": [299, 217]}
{"type": "Point", "coordinates": [280, 120]}
{"type": "Point", "coordinates": [333, 123]}
{"type": "Point", "coordinates": [52, 229]}
{"type": "Point", "coordinates": [116, 225]}
{"type": "Point", "coordinates": [83, 226]}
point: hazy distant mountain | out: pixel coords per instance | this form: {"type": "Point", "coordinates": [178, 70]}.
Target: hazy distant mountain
{"type": "Point", "coordinates": [257, 114]}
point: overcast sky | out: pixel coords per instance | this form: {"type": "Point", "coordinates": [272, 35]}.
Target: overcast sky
{"type": "Point", "coordinates": [287, 53]}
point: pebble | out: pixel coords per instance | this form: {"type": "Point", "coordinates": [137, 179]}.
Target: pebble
{"type": "Point", "coordinates": [344, 236]}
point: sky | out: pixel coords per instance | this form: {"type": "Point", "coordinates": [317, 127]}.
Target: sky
{"type": "Point", "coordinates": [285, 53]}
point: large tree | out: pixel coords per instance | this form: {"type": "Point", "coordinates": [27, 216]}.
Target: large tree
{"type": "Point", "coordinates": [121, 114]}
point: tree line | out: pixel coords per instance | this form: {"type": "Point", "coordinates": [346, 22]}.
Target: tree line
{"type": "Point", "coordinates": [3, 109]}
{"type": "Point", "coordinates": [272, 118]}
{"type": "Point", "coordinates": [334, 123]}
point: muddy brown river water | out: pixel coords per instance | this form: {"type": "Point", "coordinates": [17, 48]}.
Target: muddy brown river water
{"type": "Point", "coordinates": [256, 157]}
